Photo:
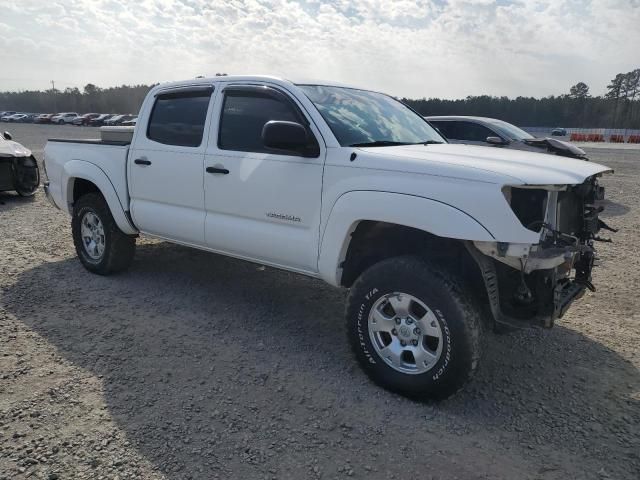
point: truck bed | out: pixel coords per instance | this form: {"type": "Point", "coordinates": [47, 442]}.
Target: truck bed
{"type": "Point", "coordinates": [109, 156]}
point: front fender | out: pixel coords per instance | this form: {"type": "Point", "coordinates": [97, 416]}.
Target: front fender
{"type": "Point", "coordinates": [421, 213]}
{"type": "Point", "coordinates": [88, 171]}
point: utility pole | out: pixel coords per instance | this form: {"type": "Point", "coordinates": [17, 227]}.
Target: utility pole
{"type": "Point", "coordinates": [53, 92]}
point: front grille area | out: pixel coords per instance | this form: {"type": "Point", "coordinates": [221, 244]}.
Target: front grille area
{"type": "Point", "coordinates": [577, 213]}
{"type": "Point", "coordinates": [570, 213]}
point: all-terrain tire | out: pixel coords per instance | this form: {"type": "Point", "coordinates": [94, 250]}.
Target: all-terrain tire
{"type": "Point", "coordinates": [458, 320]}
{"type": "Point", "coordinates": [119, 248]}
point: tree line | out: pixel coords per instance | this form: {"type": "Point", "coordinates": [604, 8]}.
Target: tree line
{"type": "Point", "coordinates": [619, 107]}
{"type": "Point", "coordinates": [123, 99]}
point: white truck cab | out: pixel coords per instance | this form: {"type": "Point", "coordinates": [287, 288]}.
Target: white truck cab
{"type": "Point", "coordinates": [355, 188]}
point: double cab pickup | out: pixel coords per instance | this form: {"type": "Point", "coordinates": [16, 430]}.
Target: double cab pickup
{"type": "Point", "coordinates": [353, 187]}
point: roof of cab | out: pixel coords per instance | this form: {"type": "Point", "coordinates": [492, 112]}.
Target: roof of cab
{"type": "Point", "coordinates": [249, 78]}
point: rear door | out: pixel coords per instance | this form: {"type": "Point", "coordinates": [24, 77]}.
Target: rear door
{"type": "Point", "coordinates": [262, 204]}
{"type": "Point", "coordinates": [166, 165]}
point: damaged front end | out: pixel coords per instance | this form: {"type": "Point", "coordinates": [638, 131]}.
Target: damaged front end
{"type": "Point", "coordinates": [18, 168]}
{"type": "Point", "coordinates": [533, 285]}
{"type": "Point", "coordinates": [557, 147]}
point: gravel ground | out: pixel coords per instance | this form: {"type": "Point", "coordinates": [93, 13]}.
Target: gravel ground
{"type": "Point", "coordinates": [192, 365]}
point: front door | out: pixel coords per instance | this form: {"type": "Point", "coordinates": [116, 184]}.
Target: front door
{"type": "Point", "coordinates": [262, 204]}
{"type": "Point", "coordinates": [166, 166]}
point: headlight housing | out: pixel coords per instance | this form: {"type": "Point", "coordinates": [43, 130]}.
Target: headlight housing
{"type": "Point", "coordinates": [529, 204]}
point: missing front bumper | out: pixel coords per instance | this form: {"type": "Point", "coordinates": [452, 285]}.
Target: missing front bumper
{"type": "Point", "coordinates": [558, 293]}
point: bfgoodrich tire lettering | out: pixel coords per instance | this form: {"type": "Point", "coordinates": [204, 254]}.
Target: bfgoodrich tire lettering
{"type": "Point", "coordinates": [452, 319]}
{"type": "Point", "coordinates": [119, 248]}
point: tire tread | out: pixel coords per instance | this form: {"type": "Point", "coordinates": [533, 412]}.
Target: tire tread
{"type": "Point", "coordinates": [120, 248]}
{"type": "Point", "coordinates": [415, 267]}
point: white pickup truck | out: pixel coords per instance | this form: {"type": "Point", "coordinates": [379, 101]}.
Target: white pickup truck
{"type": "Point", "coordinates": [353, 187]}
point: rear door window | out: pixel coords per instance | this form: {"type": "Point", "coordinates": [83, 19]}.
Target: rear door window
{"type": "Point", "coordinates": [178, 118]}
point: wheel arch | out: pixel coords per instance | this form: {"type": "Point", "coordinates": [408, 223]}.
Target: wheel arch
{"type": "Point", "coordinates": [365, 226]}
{"type": "Point", "coordinates": [80, 177]}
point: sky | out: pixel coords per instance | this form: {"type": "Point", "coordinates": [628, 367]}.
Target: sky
{"type": "Point", "coordinates": [408, 48]}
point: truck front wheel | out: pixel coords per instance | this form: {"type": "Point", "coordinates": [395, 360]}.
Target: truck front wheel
{"type": "Point", "coordinates": [101, 246]}
{"type": "Point", "coordinates": [412, 328]}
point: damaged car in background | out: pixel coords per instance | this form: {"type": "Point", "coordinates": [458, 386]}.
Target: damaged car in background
{"type": "Point", "coordinates": [491, 132]}
{"type": "Point", "coordinates": [18, 167]}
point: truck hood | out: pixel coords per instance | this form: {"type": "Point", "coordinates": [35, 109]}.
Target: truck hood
{"type": "Point", "coordinates": [483, 164]}
{"type": "Point", "coordinates": [9, 148]}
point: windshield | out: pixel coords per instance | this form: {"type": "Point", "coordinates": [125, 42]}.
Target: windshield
{"type": "Point", "coordinates": [511, 131]}
{"type": "Point", "coordinates": [364, 118]}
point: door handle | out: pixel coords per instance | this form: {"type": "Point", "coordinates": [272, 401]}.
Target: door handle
{"type": "Point", "coordinates": [223, 171]}
{"type": "Point", "coordinates": [142, 161]}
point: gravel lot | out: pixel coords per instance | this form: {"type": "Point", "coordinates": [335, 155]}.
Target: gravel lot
{"type": "Point", "coordinates": [192, 365]}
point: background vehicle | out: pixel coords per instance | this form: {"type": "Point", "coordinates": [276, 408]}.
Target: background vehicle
{"type": "Point", "coordinates": [18, 118]}
{"type": "Point", "coordinates": [100, 119]}
{"type": "Point", "coordinates": [559, 132]}
{"type": "Point", "coordinates": [497, 133]}
{"type": "Point", "coordinates": [64, 118]}
{"type": "Point", "coordinates": [117, 120]}
{"type": "Point", "coordinates": [18, 167]}
{"type": "Point", "coordinates": [44, 118]}
{"type": "Point", "coordinates": [352, 187]}
{"type": "Point", "coordinates": [84, 119]}
{"type": "Point", "coordinates": [131, 122]}
{"type": "Point", "coordinates": [6, 115]}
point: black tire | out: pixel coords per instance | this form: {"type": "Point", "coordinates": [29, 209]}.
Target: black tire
{"type": "Point", "coordinates": [459, 323]}
{"type": "Point", "coordinates": [119, 248]}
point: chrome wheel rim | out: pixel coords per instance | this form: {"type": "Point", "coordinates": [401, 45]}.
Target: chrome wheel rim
{"type": "Point", "coordinates": [405, 333]}
{"type": "Point", "coordinates": [92, 233]}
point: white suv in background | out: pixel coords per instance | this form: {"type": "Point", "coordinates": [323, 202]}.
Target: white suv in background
{"type": "Point", "coordinates": [63, 118]}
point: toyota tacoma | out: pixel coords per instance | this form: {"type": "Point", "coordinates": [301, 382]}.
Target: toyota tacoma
{"type": "Point", "coordinates": [353, 187]}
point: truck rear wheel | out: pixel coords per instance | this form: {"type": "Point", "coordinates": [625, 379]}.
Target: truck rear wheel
{"type": "Point", "coordinates": [412, 329]}
{"type": "Point", "coordinates": [101, 246]}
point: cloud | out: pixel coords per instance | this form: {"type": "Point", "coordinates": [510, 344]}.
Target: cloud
{"type": "Point", "coordinates": [410, 48]}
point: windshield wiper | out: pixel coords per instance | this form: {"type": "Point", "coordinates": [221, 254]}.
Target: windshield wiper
{"type": "Point", "coordinates": [431, 142]}
{"type": "Point", "coordinates": [379, 143]}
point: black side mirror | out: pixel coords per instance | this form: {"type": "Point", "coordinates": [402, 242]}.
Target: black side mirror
{"type": "Point", "coordinates": [496, 141]}
{"type": "Point", "coordinates": [283, 135]}
{"type": "Point", "coordinates": [7, 136]}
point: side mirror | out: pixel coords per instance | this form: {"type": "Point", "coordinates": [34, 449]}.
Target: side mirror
{"type": "Point", "coordinates": [7, 136]}
{"type": "Point", "coordinates": [496, 141]}
{"type": "Point", "coordinates": [283, 135]}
